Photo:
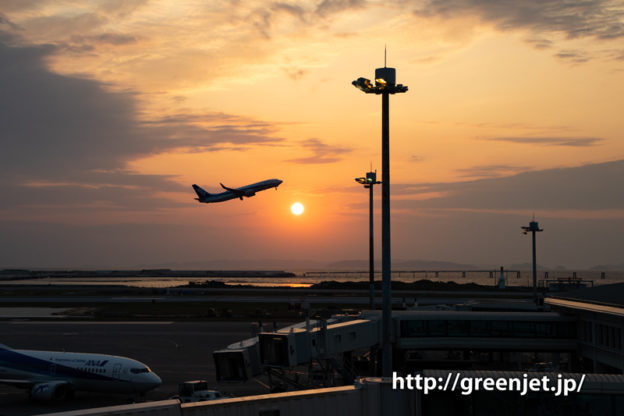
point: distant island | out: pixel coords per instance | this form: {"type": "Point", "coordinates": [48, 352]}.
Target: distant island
{"type": "Point", "coordinates": [14, 274]}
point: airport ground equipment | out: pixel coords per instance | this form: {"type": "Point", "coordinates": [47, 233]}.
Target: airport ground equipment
{"type": "Point", "coordinates": [197, 391]}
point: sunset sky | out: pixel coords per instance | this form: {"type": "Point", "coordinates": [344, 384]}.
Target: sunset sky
{"type": "Point", "coordinates": [110, 110]}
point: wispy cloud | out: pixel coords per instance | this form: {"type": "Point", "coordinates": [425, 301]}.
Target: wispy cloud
{"type": "Point", "coordinates": [551, 141]}
{"type": "Point", "coordinates": [116, 39]}
{"type": "Point", "coordinates": [573, 56]}
{"type": "Point", "coordinates": [540, 43]}
{"type": "Point", "coordinates": [334, 6]}
{"type": "Point", "coordinates": [321, 152]}
{"type": "Point", "coordinates": [546, 20]}
{"type": "Point", "coordinates": [587, 187]}
{"type": "Point", "coordinates": [602, 19]}
{"type": "Point", "coordinates": [490, 171]}
{"type": "Point", "coordinates": [295, 73]}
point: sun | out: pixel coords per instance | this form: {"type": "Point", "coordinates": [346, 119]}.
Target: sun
{"type": "Point", "coordinates": [297, 208]}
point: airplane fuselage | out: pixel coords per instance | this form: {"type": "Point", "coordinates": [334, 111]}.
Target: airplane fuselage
{"type": "Point", "coordinates": [233, 193]}
{"type": "Point", "coordinates": [80, 371]}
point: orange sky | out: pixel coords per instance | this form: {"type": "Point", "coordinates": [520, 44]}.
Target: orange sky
{"type": "Point", "coordinates": [242, 91]}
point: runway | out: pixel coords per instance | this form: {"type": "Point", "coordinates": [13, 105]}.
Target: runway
{"type": "Point", "coordinates": [176, 351]}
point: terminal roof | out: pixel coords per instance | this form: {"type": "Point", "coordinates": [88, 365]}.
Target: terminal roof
{"type": "Point", "coordinates": [611, 295]}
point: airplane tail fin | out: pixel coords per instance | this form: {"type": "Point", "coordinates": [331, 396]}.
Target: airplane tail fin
{"type": "Point", "coordinates": [200, 192]}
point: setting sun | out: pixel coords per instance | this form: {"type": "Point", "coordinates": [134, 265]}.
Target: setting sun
{"type": "Point", "coordinates": [296, 208]}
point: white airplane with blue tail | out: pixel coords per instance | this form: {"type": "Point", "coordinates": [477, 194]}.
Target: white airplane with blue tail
{"type": "Point", "coordinates": [53, 375]}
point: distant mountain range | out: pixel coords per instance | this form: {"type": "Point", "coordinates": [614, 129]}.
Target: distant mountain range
{"type": "Point", "coordinates": [401, 264]}
{"type": "Point", "coordinates": [606, 267]}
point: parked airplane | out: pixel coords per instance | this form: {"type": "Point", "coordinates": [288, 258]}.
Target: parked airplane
{"type": "Point", "coordinates": [51, 375]}
{"type": "Point", "coordinates": [231, 193]}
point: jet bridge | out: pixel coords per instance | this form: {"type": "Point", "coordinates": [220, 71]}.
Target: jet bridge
{"type": "Point", "coordinates": [344, 346]}
{"type": "Point", "coordinates": [290, 347]}
{"type": "Point", "coordinates": [238, 362]}
{"type": "Point", "coordinates": [242, 360]}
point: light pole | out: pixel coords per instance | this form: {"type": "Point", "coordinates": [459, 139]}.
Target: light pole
{"type": "Point", "coordinates": [533, 228]}
{"type": "Point", "coordinates": [368, 182]}
{"type": "Point", "coordinates": [385, 84]}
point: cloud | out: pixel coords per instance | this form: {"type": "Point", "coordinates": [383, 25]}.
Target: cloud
{"type": "Point", "coordinates": [295, 73]}
{"type": "Point", "coordinates": [7, 22]}
{"type": "Point", "coordinates": [540, 43]}
{"type": "Point", "coordinates": [587, 187]}
{"type": "Point", "coordinates": [74, 138]}
{"type": "Point", "coordinates": [600, 19]}
{"type": "Point", "coordinates": [292, 9]}
{"type": "Point", "coordinates": [576, 57]}
{"type": "Point", "coordinates": [551, 141]}
{"type": "Point", "coordinates": [321, 152]}
{"type": "Point", "coordinates": [327, 7]}
{"type": "Point", "coordinates": [115, 39]}
{"type": "Point", "coordinates": [209, 131]}
{"type": "Point", "coordinates": [580, 208]}
{"type": "Point", "coordinates": [487, 171]}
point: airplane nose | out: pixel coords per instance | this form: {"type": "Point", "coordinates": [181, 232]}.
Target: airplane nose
{"type": "Point", "coordinates": [151, 381]}
{"type": "Point", "coordinates": [155, 380]}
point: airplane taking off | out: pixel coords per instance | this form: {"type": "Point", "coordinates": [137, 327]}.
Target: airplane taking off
{"type": "Point", "coordinates": [52, 375]}
{"type": "Point", "coordinates": [231, 193]}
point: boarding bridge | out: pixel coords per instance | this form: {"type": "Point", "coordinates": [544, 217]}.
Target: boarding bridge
{"type": "Point", "coordinates": [244, 360]}
{"type": "Point", "coordinates": [238, 362]}
{"type": "Point", "coordinates": [330, 348]}
{"type": "Point", "coordinates": [291, 347]}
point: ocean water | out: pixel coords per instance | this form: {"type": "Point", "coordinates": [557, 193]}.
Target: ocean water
{"type": "Point", "coordinates": [307, 279]}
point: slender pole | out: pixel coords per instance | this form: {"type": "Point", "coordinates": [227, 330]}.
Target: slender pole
{"type": "Point", "coordinates": [534, 270]}
{"type": "Point", "coordinates": [386, 362]}
{"type": "Point", "coordinates": [371, 252]}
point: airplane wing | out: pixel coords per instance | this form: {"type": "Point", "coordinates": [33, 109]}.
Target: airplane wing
{"type": "Point", "coordinates": [236, 192]}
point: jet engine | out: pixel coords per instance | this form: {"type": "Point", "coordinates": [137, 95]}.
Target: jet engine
{"type": "Point", "coordinates": [52, 390]}
{"type": "Point", "coordinates": [249, 193]}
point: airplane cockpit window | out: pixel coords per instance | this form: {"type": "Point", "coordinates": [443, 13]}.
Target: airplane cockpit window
{"type": "Point", "coordinates": [139, 370]}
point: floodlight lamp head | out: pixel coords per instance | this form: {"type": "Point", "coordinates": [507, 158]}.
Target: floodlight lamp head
{"type": "Point", "coordinates": [363, 84]}
{"type": "Point", "coordinates": [384, 83]}
{"type": "Point", "coordinates": [533, 227]}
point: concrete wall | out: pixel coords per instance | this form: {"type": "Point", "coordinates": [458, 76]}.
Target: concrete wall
{"type": "Point", "coordinates": [364, 399]}
{"type": "Point", "coordinates": [337, 401]}
{"type": "Point", "coordinates": [161, 408]}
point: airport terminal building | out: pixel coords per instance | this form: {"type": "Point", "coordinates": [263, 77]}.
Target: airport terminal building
{"type": "Point", "coordinates": [599, 317]}
{"type": "Point", "coordinates": [580, 332]}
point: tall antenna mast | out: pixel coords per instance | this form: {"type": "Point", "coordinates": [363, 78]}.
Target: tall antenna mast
{"type": "Point", "coordinates": [384, 56]}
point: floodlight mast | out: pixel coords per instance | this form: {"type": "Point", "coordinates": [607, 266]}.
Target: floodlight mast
{"type": "Point", "coordinates": [533, 228]}
{"type": "Point", "coordinates": [369, 181]}
{"type": "Point", "coordinates": [385, 84]}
